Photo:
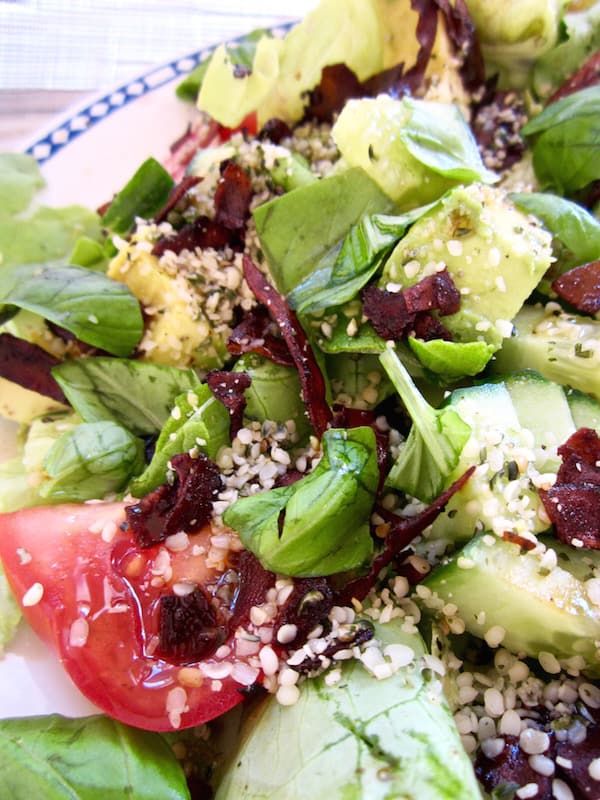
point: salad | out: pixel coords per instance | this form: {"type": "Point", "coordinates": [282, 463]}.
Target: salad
{"type": "Point", "coordinates": [306, 497]}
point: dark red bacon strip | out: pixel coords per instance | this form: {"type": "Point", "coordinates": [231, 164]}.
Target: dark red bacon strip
{"type": "Point", "coordinates": [28, 365]}
{"type": "Point", "coordinates": [255, 334]}
{"type": "Point", "coordinates": [232, 197]}
{"type": "Point", "coordinates": [400, 535]}
{"type": "Point", "coordinates": [311, 377]}
{"type": "Point", "coordinates": [177, 193]}
{"type": "Point", "coordinates": [229, 388]}
{"type": "Point", "coordinates": [188, 630]}
{"type": "Point", "coordinates": [202, 232]}
{"type": "Point", "coordinates": [396, 314]}
{"type": "Point", "coordinates": [186, 504]}
{"type": "Point", "coordinates": [573, 503]}
{"type": "Point", "coordinates": [580, 287]}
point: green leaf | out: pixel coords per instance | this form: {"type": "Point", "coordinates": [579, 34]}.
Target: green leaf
{"type": "Point", "coordinates": [99, 311]}
{"type": "Point", "coordinates": [362, 254]}
{"type": "Point", "coordinates": [274, 393]}
{"type": "Point", "coordinates": [302, 227]}
{"type": "Point", "coordinates": [90, 461]}
{"type": "Point", "coordinates": [143, 195]}
{"type": "Point", "coordinates": [585, 103]}
{"type": "Point", "coordinates": [567, 139]}
{"type": "Point", "coordinates": [361, 738]}
{"type": "Point", "coordinates": [20, 179]}
{"type": "Point", "coordinates": [94, 758]}
{"type": "Point", "coordinates": [241, 54]}
{"type": "Point", "coordinates": [48, 234]}
{"type": "Point", "coordinates": [573, 225]}
{"type": "Point", "coordinates": [434, 443]}
{"type": "Point", "coordinates": [452, 360]}
{"type": "Point", "coordinates": [320, 524]}
{"type": "Point", "coordinates": [90, 253]}
{"type": "Point", "coordinates": [138, 394]}
{"type": "Point", "coordinates": [437, 135]}
{"type": "Point", "coordinates": [198, 421]}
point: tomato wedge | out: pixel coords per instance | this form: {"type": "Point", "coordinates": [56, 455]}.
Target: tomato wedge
{"type": "Point", "coordinates": [93, 594]}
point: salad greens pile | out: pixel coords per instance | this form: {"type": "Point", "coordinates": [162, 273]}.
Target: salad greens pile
{"type": "Point", "coordinates": [401, 415]}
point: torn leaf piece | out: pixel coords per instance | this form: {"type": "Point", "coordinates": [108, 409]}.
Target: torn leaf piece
{"type": "Point", "coordinates": [320, 524]}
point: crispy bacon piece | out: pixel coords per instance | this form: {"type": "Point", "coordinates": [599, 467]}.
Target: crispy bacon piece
{"type": "Point", "coordinates": [202, 232]}
{"type": "Point", "coordinates": [514, 538]}
{"type": "Point", "coordinates": [254, 581]}
{"type": "Point", "coordinates": [175, 195]}
{"type": "Point", "coordinates": [580, 287]}
{"type": "Point", "coordinates": [254, 334]}
{"type": "Point", "coordinates": [187, 627]}
{"type": "Point", "coordinates": [275, 130]}
{"type": "Point", "coordinates": [229, 388]}
{"type": "Point", "coordinates": [232, 197]}
{"type": "Point", "coordinates": [587, 75]}
{"type": "Point", "coordinates": [395, 314]}
{"type": "Point", "coordinates": [311, 378]}
{"type": "Point", "coordinates": [573, 503]}
{"type": "Point", "coordinates": [401, 533]}
{"type": "Point", "coordinates": [185, 505]}
{"type": "Point", "coordinates": [363, 632]}
{"type": "Point", "coordinates": [512, 767]}
{"type": "Point", "coordinates": [232, 204]}
{"type": "Point", "coordinates": [338, 84]}
{"type": "Point", "coordinates": [28, 365]}
{"type": "Point", "coordinates": [308, 605]}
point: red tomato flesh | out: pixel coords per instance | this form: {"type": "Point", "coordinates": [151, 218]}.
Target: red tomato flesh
{"type": "Point", "coordinates": [99, 608]}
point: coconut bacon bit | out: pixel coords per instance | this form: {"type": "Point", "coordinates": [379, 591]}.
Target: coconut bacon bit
{"type": "Point", "coordinates": [580, 287]}
{"type": "Point", "coordinates": [187, 503]}
{"type": "Point", "coordinates": [573, 503]}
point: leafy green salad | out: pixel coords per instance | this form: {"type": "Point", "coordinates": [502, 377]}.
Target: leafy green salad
{"type": "Point", "coordinates": [305, 495]}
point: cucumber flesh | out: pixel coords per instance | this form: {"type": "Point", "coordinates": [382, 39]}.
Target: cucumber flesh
{"type": "Point", "coordinates": [518, 599]}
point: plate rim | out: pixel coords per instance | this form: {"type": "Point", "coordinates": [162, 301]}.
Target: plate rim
{"type": "Point", "coordinates": [80, 118]}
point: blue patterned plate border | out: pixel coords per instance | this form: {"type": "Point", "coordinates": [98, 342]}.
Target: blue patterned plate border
{"type": "Point", "coordinates": [101, 107]}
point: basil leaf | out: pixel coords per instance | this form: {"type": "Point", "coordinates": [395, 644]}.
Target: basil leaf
{"type": "Point", "coordinates": [48, 234]}
{"type": "Point", "coordinates": [94, 758]}
{"type": "Point", "coordinates": [306, 225]}
{"type": "Point", "coordinates": [198, 421]}
{"type": "Point", "coordinates": [346, 739]}
{"type": "Point", "coordinates": [241, 54]}
{"type": "Point", "coordinates": [568, 137]}
{"type": "Point", "coordinates": [91, 461]}
{"type": "Point", "coordinates": [362, 254]}
{"type": "Point", "coordinates": [573, 225]}
{"type": "Point", "coordinates": [452, 360]}
{"type": "Point", "coordinates": [584, 103]}
{"type": "Point", "coordinates": [274, 393]}
{"type": "Point", "coordinates": [98, 310]}
{"type": "Point", "coordinates": [434, 443]}
{"type": "Point", "coordinates": [143, 195]}
{"type": "Point", "coordinates": [20, 179]}
{"type": "Point", "coordinates": [437, 135]}
{"type": "Point", "coordinates": [320, 524]}
{"type": "Point", "coordinates": [138, 394]}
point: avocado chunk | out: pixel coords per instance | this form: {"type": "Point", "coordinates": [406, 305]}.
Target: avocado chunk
{"type": "Point", "coordinates": [529, 601]}
{"type": "Point", "coordinates": [494, 253]}
{"type": "Point", "coordinates": [561, 346]}
{"type": "Point", "coordinates": [517, 423]}
{"type": "Point", "coordinates": [390, 737]}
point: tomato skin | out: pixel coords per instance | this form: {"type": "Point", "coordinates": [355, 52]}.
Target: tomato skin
{"type": "Point", "coordinates": [100, 619]}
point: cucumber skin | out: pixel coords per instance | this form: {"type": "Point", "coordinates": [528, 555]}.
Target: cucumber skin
{"type": "Point", "coordinates": [539, 612]}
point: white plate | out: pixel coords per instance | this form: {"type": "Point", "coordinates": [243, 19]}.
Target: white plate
{"type": "Point", "coordinates": [85, 156]}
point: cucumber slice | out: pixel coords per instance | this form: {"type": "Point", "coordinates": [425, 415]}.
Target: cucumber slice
{"type": "Point", "coordinates": [584, 409]}
{"type": "Point", "coordinates": [521, 600]}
